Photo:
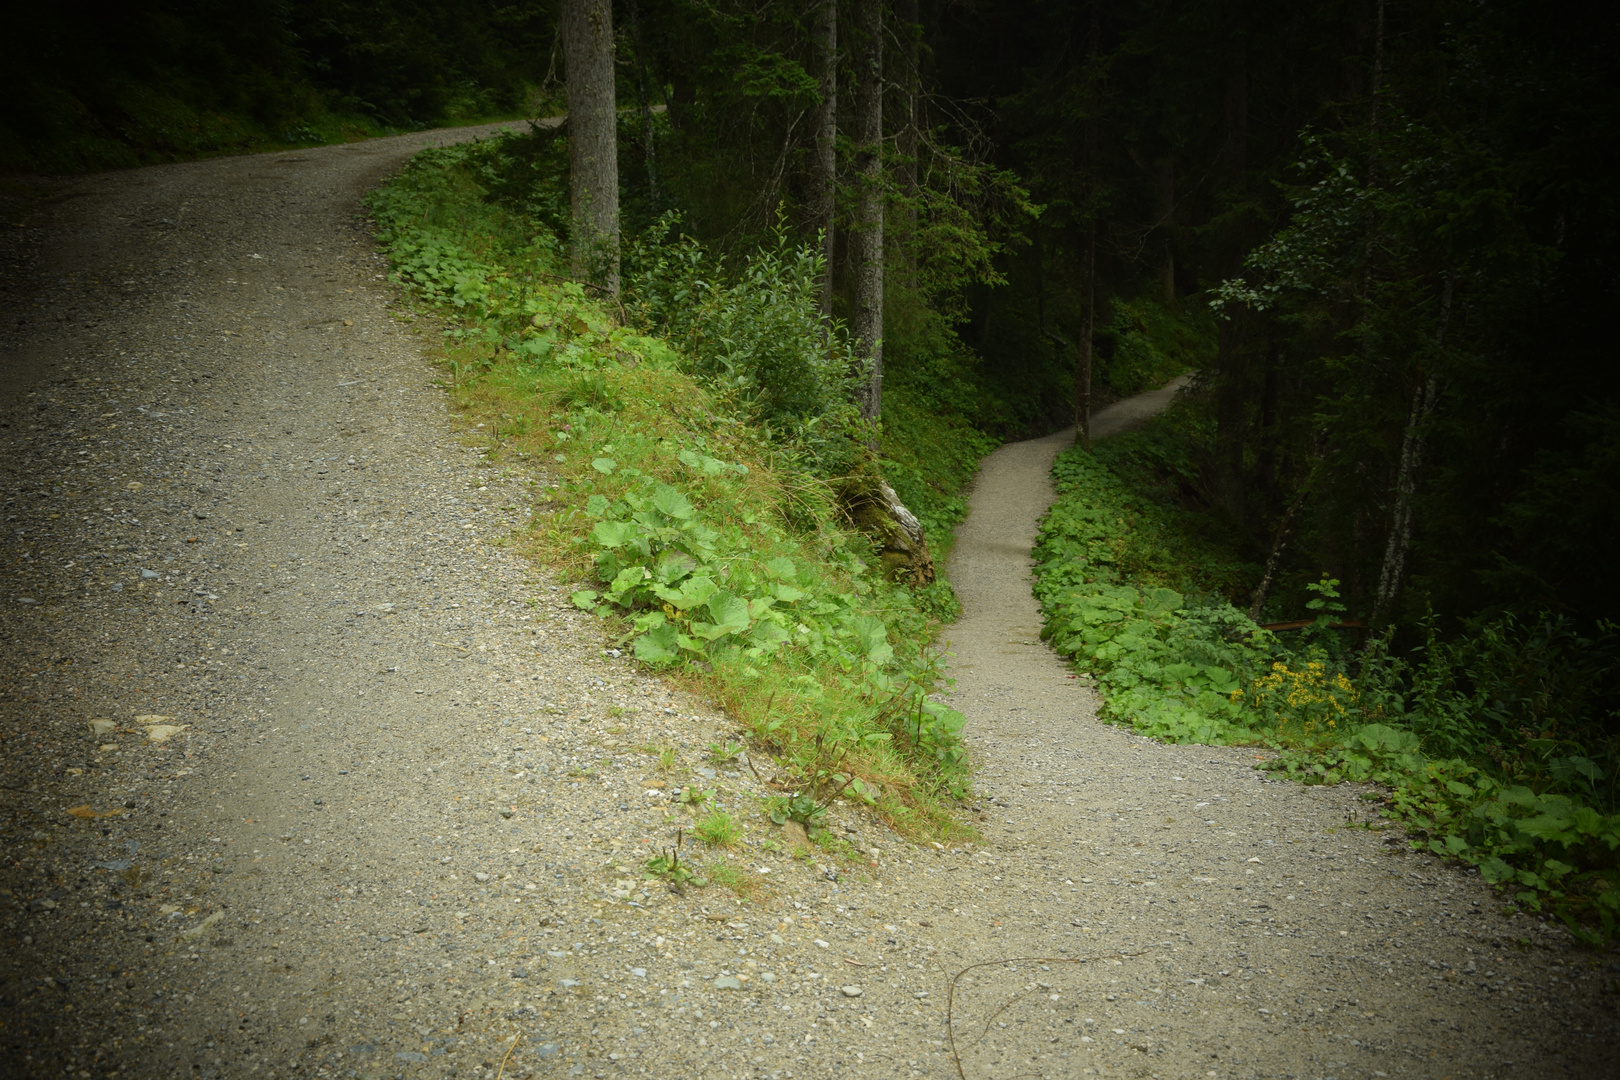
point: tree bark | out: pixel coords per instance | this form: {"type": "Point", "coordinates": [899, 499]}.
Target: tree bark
{"type": "Point", "coordinates": [1164, 176]}
{"type": "Point", "coordinates": [647, 149]}
{"type": "Point", "coordinates": [907, 139]}
{"type": "Point", "coordinates": [867, 245]}
{"type": "Point", "coordinates": [593, 149]}
{"type": "Point", "coordinates": [1088, 253]}
{"type": "Point", "coordinates": [1399, 543]}
{"type": "Point", "coordinates": [824, 184]}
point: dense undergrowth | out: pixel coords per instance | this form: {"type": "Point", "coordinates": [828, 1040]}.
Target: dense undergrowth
{"type": "Point", "coordinates": [688, 440]}
{"type": "Point", "coordinates": [1489, 746]}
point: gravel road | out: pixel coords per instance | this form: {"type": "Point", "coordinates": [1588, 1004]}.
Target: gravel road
{"type": "Point", "coordinates": [308, 771]}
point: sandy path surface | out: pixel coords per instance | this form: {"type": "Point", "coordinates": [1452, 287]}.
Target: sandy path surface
{"type": "Point", "coordinates": [399, 828]}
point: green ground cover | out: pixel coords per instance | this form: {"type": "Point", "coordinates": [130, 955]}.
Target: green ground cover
{"type": "Point", "coordinates": [689, 480]}
{"type": "Point", "coordinates": [1486, 746]}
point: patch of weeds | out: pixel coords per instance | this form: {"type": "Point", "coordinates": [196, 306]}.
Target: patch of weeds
{"type": "Point", "coordinates": [724, 755]}
{"type": "Point", "coordinates": [799, 807]}
{"type": "Point", "coordinates": [743, 883]}
{"type": "Point", "coordinates": [667, 866]}
{"type": "Point", "coordinates": [718, 829]}
{"type": "Point", "coordinates": [694, 797]}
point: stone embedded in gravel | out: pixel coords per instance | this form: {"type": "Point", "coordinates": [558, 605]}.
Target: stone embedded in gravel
{"type": "Point", "coordinates": [851, 991]}
{"type": "Point", "coordinates": [480, 876]}
{"type": "Point", "coordinates": [727, 982]}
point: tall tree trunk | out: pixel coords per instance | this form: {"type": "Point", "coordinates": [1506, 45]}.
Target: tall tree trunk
{"type": "Point", "coordinates": [1399, 542]}
{"type": "Point", "coordinates": [1164, 176]}
{"type": "Point", "coordinates": [1232, 344]}
{"type": "Point", "coordinates": [824, 183]}
{"type": "Point", "coordinates": [867, 246]}
{"type": "Point", "coordinates": [593, 148]}
{"type": "Point", "coordinates": [634, 10]}
{"type": "Point", "coordinates": [1088, 252]}
{"type": "Point", "coordinates": [908, 138]}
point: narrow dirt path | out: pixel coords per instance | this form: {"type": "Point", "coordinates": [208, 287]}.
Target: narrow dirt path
{"type": "Point", "coordinates": [1233, 925]}
{"type": "Point", "coordinates": [397, 825]}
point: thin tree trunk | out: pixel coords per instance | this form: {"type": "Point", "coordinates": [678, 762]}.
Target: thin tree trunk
{"type": "Point", "coordinates": [634, 11]}
{"type": "Point", "coordinates": [908, 138]}
{"type": "Point", "coordinates": [867, 247]}
{"type": "Point", "coordinates": [593, 149]}
{"type": "Point", "coordinates": [1164, 175]}
{"type": "Point", "coordinates": [1272, 560]}
{"type": "Point", "coordinates": [1399, 543]}
{"type": "Point", "coordinates": [1088, 254]}
{"type": "Point", "coordinates": [824, 184]}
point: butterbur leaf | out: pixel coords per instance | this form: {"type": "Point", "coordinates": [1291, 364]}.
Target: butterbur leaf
{"type": "Point", "coordinates": [671, 503]}
{"type": "Point", "coordinates": [604, 465]}
{"type": "Point", "coordinates": [674, 564]}
{"type": "Point", "coordinates": [691, 593]}
{"type": "Point", "coordinates": [585, 599]}
{"type": "Point", "coordinates": [1495, 871]}
{"type": "Point", "coordinates": [874, 638]}
{"type": "Point", "coordinates": [597, 506]}
{"type": "Point", "coordinates": [612, 534]}
{"type": "Point", "coordinates": [729, 612]}
{"type": "Point", "coordinates": [787, 594]}
{"type": "Point", "coordinates": [659, 645]}
{"type": "Point", "coordinates": [782, 568]}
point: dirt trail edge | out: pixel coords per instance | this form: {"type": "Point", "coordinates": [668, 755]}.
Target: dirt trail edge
{"type": "Point", "coordinates": [307, 773]}
{"type": "Point", "coordinates": [1231, 925]}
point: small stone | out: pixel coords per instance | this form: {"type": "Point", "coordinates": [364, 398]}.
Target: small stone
{"type": "Point", "coordinates": [822, 944]}
{"type": "Point", "coordinates": [480, 876]}
{"type": "Point", "coordinates": [767, 976]}
{"type": "Point", "coordinates": [640, 973]}
{"type": "Point", "coordinates": [507, 813]}
{"type": "Point", "coordinates": [727, 982]}
{"type": "Point", "coordinates": [851, 991]}
{"type": "Point", "coordinates": [99, 728]}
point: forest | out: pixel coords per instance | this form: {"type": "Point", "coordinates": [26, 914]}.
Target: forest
{"type": "Point", "coordinates": [1377, 531]}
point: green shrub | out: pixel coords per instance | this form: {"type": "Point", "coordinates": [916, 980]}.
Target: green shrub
{"type": "Point", "coordinates": [1491, 747]}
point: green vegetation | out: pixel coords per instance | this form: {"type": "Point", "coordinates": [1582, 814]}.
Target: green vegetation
{"type": "Point", "coordinates": [691, 476]}
{"type": "Point", "coordinates": [718, 829]}
{"type": "Point", "coordinates": [1492, 747]}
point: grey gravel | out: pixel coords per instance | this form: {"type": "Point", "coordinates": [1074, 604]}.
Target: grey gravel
{"type": "Point", "coordinates": [293, 744]}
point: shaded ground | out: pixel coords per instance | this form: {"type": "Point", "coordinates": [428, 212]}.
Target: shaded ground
{"type": "Point", "coordinates": [402, 824]}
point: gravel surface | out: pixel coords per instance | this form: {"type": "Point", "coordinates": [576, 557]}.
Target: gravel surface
{"type": "Point", "coordinates": [308, 772]}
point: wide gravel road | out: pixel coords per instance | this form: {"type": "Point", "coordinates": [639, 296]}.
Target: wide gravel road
{"type": "Point", "coordinates": [309, 771]}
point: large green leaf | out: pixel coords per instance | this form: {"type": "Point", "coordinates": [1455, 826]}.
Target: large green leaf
{"type": "Point", "coordinates": [613, 534]}
{"type": "Point", "coordinates": [691, 593]}
{"type": "Point", "coordinates": [670, 502]}
{"type": "Point", "coordinates": [659, 645]}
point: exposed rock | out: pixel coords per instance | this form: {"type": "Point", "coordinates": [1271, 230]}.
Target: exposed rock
{"type": "Point", "coordinates": [896, 534]}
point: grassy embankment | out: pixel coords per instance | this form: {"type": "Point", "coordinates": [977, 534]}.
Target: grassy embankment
{"type": "Point", "coordinates": [1488, 747]}
{"type": "Point", "coordinates": [714, 550]}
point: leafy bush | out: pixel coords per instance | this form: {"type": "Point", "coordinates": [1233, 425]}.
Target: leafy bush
{"type": "Point", "coordinates": [1491, 747]}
